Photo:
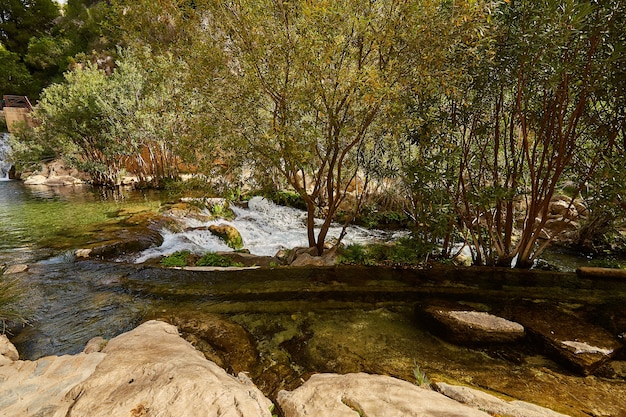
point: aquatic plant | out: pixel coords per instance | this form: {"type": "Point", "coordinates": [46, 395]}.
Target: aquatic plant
{"type": "Point", "coordinates": [420, 376]}
{"type": "Point", "coordinates": [11, 296]}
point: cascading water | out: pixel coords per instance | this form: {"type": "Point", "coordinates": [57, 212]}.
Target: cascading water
{"type": "Point", "coordinates": [264, 227]}
{"type": "Point", "coordinates": [5, 166]}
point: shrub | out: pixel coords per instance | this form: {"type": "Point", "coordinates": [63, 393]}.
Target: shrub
{"type": "Point", "coordinates": [213, 259]}
{"type": "Point", "coordinates": [177, 259]}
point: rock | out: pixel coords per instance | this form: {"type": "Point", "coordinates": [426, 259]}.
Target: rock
{"type": "Point", "coordinates": [35, 180]}
{"type": "Point", "coordinates": [309, 258]}
{"type": "Point", "coordinates": [222, 341]}
{"type": "Point", "coordinates": [120, 242]}
{"type": "Point", "coordinates": [164, 375]}
{"type": "Point", "coordinates": [38, 388]}
{"type": "Point", "coordinates": [360, 394]}
{"type": "Point", "coordinates": [8, 352]}
{"type": "Point", "coordinates": [247, 259]}
{"type": "Point", "coordinates": [493, 405]}
{"type": "Point", "coordinates": [228, 234]}
{"type": "Point", "coordinates": [601, 273]}
{"type": "Point", "coordinates": [569, 339]}
{"type": "Point", "coordinates": [150, 370]}
{"type": "Point", "coordinates": [472, 327]}
{"type": "Point", "coordinates": [16, 269]}
{"type": "Point", "coordinates": [95, 345]}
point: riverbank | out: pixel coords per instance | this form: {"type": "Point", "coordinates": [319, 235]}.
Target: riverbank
{"type": "Point", "coordinates": [151, 370]}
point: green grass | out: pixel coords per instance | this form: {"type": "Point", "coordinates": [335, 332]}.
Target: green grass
{"type": "Point", "coordinates": [177, 259]}
{"type": "Point", "coordinates": [11, 297]}
{"type": "Point", "coordinates": [213, 259]}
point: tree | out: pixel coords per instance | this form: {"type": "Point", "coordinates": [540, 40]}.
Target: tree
{"type": "Point", "coordinates": [129, 120]}
{"type": "Point", "coordinates": [309, 91]}
{"type": "Point", "coordinates": [20, 20]}
{"type": "Point", "coordinates": [533, 105]}
{"type": "Point", "coordinates": [14, 76]}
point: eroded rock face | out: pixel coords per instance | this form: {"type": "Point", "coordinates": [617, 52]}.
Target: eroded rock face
{"type": "Point", "coordinates": [150, 370]}
{"type": "Point", "coordinates": [360, 394]}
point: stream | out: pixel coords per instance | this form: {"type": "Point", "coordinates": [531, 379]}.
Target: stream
{"type": "Point", "coordinates": [342, 319]}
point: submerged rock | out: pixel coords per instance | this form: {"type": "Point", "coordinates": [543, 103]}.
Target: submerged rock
{"type": "Point", "coordinates": [121, 242]}
{"type": "Point", "coordinates": [472, 327]}
{"type": "Point", "coordinates": [220, 340]}
{"type": "Point", "coordinates": [15, 269]}
{"type": "Point", "coordinates": [360, 394]}
{"type": "Point", "coordinates": [569, 339]}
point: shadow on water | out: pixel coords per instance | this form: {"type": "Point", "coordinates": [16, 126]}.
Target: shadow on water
{"type": "Point", "coordinates": [331, 320]}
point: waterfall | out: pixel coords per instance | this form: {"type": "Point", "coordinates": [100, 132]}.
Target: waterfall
{"type": "Point", "coordinates": [5, 166]}
{"type": "Point", "coordinates": [265, 228]}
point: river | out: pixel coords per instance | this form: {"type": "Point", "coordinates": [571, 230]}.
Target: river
{"type": "Point", "coordinates": [345, 319]}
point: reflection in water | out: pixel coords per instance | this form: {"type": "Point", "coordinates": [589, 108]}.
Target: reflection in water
{"type": "Point", "coordinates": [41, 221]}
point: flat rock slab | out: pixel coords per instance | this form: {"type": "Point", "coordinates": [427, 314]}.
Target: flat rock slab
{"type": "Point", "coordinates": [472, 327]}
{"type": "Point", "coordinates": [493, 405]}
{"type": "Point", "coordinates": [354, 395]}
{"type": "Point", "coordinates": [569, 339]}
{"type": "Point", "coordinates": [601, 273]}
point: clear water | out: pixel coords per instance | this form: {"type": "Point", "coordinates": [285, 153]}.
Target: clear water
{"type": "Point", "coordinates": [39, 222]}
{"type": "Point", "coordinates": [310, 320]}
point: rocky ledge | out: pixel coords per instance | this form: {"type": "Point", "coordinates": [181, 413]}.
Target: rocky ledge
{"type": "Point", "coordinates": [152, 371]}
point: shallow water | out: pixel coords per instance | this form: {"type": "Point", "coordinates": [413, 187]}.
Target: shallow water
{"type": "Point", "coordinates": [308, 320]}
{"type": "Point", "coordinates": [38, 222]}
{"type": "Point", "coordinates": [329, 320]}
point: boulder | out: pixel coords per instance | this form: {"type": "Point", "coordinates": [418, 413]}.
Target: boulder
{"type": "Point", "coordinates": [472, 327]}
{"type": "Point", "coordinates": [309, 257]}
{"type": "Point", "coordinates": [228, 234]}
{"type": "Point", "coordinates": [493, 405]}
{"type": "Point", "coordinates": [567, 338]}
{"type": "Point", "coordinates": [150, 370]}
{"type": "Point", "coordinates": [360, 394]}
{"type": "Point", "coordinates": [8, 352]}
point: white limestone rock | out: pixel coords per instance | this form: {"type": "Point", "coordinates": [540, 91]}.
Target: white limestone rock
{"type": "Point", "coordinates": [360, 394]}
{"type": "Point", "coordinates": [494, 405]}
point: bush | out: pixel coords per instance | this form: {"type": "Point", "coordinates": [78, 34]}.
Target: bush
{"type": "Point", "coordinates": [213, 259]}
{"type": "Point", "coordinates": [177, 259]}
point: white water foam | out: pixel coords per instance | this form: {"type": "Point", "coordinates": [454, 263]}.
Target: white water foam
{"type": "Point", "coordinates": [5, 149]}
{"type": "Point", "coordinates": [265, 229]}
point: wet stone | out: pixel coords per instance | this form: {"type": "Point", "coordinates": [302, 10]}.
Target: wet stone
{"type": "Point", "coordinates": [472, 327]}
{"type": "Point", "coordinates": [567, 338]}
